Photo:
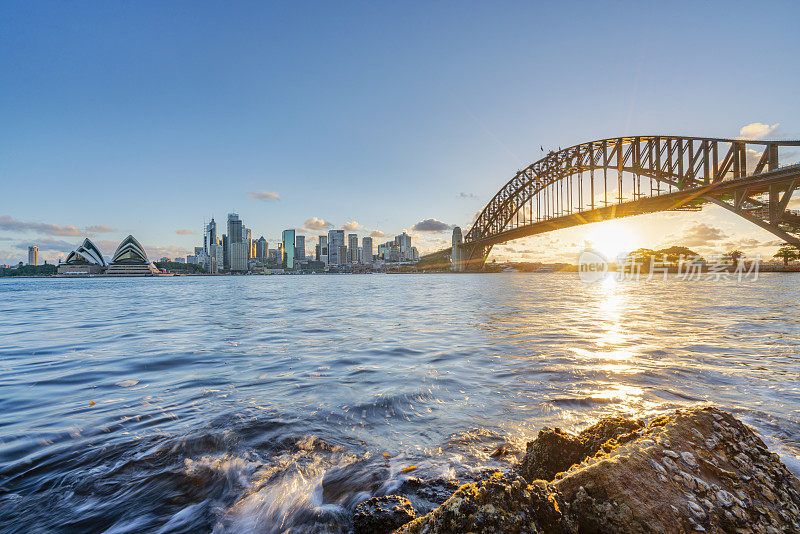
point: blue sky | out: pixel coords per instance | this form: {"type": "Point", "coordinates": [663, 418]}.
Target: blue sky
{"type": "Point", "coordinates": [149, 117]}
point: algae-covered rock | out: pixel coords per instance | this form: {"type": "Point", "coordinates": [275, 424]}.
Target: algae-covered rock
{"type": "Point", "coordinates": [697, 470]}
{"type": "Point", "coordinates": [554, 450]}
{"type": "Point", "coordinates": [382, 515]}
{"type": "Point", "coordinates": [504, 503]}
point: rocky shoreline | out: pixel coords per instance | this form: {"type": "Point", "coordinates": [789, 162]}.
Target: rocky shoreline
{"type": "Point", "coordinates": [694, 470]}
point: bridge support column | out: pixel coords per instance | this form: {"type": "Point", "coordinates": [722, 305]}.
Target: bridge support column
{"type": "Point", "coordinates": [456, 256]}
{"type": "Point", "coordinates": [466, 256]}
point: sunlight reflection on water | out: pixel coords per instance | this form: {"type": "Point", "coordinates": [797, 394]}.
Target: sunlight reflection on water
{"type": "Point", "coordinates": [235, 396]}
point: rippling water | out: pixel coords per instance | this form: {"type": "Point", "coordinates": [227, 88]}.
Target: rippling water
{"type": "Point", "coordinates": [271, 404]}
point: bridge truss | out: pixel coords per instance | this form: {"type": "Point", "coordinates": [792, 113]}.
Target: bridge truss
{"type": "Point", "coordinates": [624, 176]}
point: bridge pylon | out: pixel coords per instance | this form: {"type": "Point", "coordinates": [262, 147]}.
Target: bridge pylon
{"type": "Point", "coordinates": [465, 256]}
{"type": "Point", "coordinates": [456, 262]}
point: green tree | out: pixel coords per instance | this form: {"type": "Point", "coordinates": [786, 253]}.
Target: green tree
{"type": "Point", "coordinates": [735, 255]}
{"type": "Point", "coordinates": [787, 253]}
{"type": "Point", "coordinates": [674, 254]}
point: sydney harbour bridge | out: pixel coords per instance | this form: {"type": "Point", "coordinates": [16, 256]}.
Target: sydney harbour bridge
{"type": "Point", "coordinates": [619, 177]}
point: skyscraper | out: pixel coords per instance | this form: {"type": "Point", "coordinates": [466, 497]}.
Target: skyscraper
{"type": "Point", "coordinates": [262, 249]}
{"type": "Point", "coordinates": [335, 241]}
{"type": "Point", "coordinates": [366, 250]}
{"type": "Point", "coordinates": [234, 228]}
{"type": "Point", "coordinates": [343, 255]}
{"type": "Point", "coordinates": [226, 261]}
{"type": "Point", "coordinates": [238, 256]}
{"type": "Point", "coordinates": [352, 248]}
{"type": "Point", "coordinates": [33, 255]}
{"type": "Point", "coordinates": [210, 237]}
{"type": "Point", "coordinates": [323, 249]}
{"type": "Point", "coordinates": [288, 249]}
{"type": "Point", "coordinates": [247, 238]}
{"type": "Point", "coordinates": [234, 235]}
{"type": "Point", "coordinates": [300, 247]}
{"type": "Point", "coordinates": [403, 241]}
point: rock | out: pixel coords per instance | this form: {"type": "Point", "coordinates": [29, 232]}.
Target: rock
{"type": "Point", "coordinates": [382, 515]}
{"type": "Point", "coordinates": [554, 450]}
{"type": "Point", "coordinates": [426, 495]}
{"type": "Point", "coordinates": [503, 503]}
{"type": "Point", "coordinates": [727, 482]}
{"type": "Point", "coordinates": [550, 453]}
{"type": "Point", "coordinates": [628, 496]}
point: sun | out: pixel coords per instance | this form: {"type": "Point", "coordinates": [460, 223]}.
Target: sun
{"type": "Point", "coordinates": [613, 239]}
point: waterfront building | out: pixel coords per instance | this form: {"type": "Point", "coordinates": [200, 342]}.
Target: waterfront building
{"type": "Point", "coordinates": [86, 259]}
{"type": "Point", "coordinates": [398, 250]}
{"type": "Point", "coordinates": [335, 242]}
{"type": "Point", "coordinates": [33, 255]}
{"type": "Point", "coordinates": [352, 247]}
{"type": "Point", "coordinates": [342, 255]}
{"type": "Point", "coordinates": [210, 235]}
{"type": "Point", "coordinates": [300, 247]}
{"type": "Point", "coordinates": [217, 254]}
{"type": "Point", "coordinates": [262, 249]}
{"type": "Point", "coordinates": [389, 252]}
{"type": "Point", "coordinates": [130, 260]}
{"type": "Point", "coordinates": [192, 259]}
{"type": "Point", "coordinates": [288, 241]}
{"type": "Point", "coordinates": [234, 228]}
{"type": "Point", "coordinates": [247, 238]}
{"type": "Point", "coordinates": [180, 260]}
{"type": "Point", "coordinates": [234, 235]}
{"type": "Point", "coordinates": [239, 256]}
{"type": "Point", "coordinates": [403, 242]}
{"type": "Point", "coordinates": [225, 258]}
{"type": "Point", "coordinates": [323, 249]}
{"type": "Point", "coordinates": [366, 250]}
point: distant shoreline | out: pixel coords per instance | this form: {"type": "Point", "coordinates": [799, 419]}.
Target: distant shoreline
{"type": "Point", "coordinates": [705, 272]}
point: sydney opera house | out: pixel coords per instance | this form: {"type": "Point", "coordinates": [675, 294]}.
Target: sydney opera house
{"type": "Point", "coordinates": [130, 259]}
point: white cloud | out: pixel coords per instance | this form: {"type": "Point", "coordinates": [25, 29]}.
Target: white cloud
{"type": "Point", "coordinates": [315, 223]}
{"type": "Point", "coordinates": [263, 195]}
{"type": "Point", "coordinates": [351, 226]}
{"type": "Point", "coordinates": [185, 232]}
{"type": "Point", "coordinates": [757, 130]}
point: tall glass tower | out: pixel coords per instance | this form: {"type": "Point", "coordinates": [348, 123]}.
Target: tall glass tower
{"type": "Point", "coordinates": [335, 240]}
{"type": "Point", "coordinates": [288, 249]}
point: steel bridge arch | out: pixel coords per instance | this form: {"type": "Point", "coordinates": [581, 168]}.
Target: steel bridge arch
{"type": "Point", "coordinates": [742, 175]}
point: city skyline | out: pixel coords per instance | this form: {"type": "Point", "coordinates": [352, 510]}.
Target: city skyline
{"type": "Point", "coordinates": [422, 127]}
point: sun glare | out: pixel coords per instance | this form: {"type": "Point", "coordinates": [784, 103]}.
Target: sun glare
{"type": "Point", "coordinates": [612, 239]}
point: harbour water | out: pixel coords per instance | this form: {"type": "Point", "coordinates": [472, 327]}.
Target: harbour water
{"type": "Point", "coordinates": [274, 404]}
